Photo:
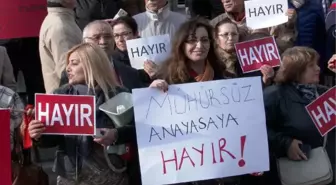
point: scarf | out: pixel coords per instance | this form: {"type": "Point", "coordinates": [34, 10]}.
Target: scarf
{"type": "Point", "coordinates": [207, 75]}
{"type": "Point", "coordinates": [308, 92]}
{"type": "Point", "coordinates": [229, 60]}
{"type": "Point", "coordinates": [53, 5]}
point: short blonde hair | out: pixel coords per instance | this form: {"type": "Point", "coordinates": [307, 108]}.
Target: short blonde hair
{"type": "Point", "coordinates": [96, 66]}
{"type": "Point", "coordinates": [294, 63]}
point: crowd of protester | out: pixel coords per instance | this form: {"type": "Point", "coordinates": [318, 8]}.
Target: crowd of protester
{"type": "Point", "coordinates": [81, 50]}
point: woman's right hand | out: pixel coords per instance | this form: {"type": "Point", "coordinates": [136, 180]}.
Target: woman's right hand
{"type": "Point", "coordinates": [294, 152]}
{"type": "Point", "coordinates": [160, 84]}
{"type": "Point", "coordinates": [332, 63]}
{"type": "Point", "coordinates": [36, 128]}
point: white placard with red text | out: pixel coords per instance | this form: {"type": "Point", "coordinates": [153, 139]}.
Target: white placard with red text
{"type": "Point", "coordinates": [256, 53]}
{"type": "Point", "coordinates": [66, 114]}
{"type": "Point", "coordinates": [265, 13]}
{"type": "Point", "coordinates": [207, 130]}
{"type": "Point", "coordinates": [323, 111]}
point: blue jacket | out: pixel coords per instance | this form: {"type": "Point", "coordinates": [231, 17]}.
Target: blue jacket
{"type": "Point", "coordinates": [311, 27]}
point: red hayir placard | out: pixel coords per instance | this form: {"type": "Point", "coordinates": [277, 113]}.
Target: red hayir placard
{"type": "Point", "coordinates": [5, 157]}
{"type": "Point", "coordinates": [256, 53]}
{"type": "Point", "coordinates": [20, 18]}
{"type": "Point", "coordinates": [66, 114]}
{"type": "Point", "coordinates": [323, 111]}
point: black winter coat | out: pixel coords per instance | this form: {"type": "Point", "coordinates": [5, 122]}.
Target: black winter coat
{"type": "Point", "coordinates": [122, 57]}
{"type": "Point", "coordinates": [91, 10]}
{"type": "Point", "coordinates": [287, 119]}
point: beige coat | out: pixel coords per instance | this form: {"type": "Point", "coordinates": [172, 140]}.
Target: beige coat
{"type": "Point", "coordinates": [59, 33]}
{"type": "Point", "coordinates": [7, 78]}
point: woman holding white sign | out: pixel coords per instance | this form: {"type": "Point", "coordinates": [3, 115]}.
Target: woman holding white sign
{"type": "Point", "coordinates": [125, 28]}
{"type": "Point", "coordinates": [82, 159]}
{"type": "Point", "coordinates": [193, 59]}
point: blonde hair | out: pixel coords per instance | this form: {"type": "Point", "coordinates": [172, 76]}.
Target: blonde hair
{"type": "Point", "coordinates": [96, 66]}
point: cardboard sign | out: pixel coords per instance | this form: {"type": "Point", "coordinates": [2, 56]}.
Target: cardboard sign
{"type": "Point", "coordinates": [256, 53]}
{"type": "Point", "coordinates": [21, 18]}
{"type": "Point", "coordinates": [265, 13]}
{"type": "Point", "coordinates": [156, 49]}
{"type": "Point", "coordinates": [66, 114]}
{"type": "Point", "coordinates": [5, 154]}
{"type": "Point", "coordinates": [200, 131]}
{"type": "Point", "coordinates": [323, 111]}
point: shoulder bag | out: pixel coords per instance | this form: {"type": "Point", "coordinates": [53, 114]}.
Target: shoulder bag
{"type": "Point", "coordinates": [316, 171]}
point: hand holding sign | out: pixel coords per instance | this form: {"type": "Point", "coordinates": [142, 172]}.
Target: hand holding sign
{"type": "Point", "coordinates": [332, 64]}
{"type": "Point", "coordinates": [36, 128]}
{"type": "Point", "coordinates": [160, 84]}
{"type": "Point", "coordinates": [109, 136]}
{"type": "Point", "coordinates": [151, 68]}
{"type": "Point", "coordinates": [268, 73]}
{"type": "Point", "coordinates": [291, 13]}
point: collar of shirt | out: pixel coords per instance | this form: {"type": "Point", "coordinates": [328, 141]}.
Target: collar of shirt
{"type": "Point", "coordinates": [61, 10]}
{"type": "Point", "coordinates": [162, 14]}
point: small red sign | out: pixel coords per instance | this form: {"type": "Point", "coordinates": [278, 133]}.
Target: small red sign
{"type": "Point", "coordinates": [66, 114]}
{"type": "Point", "coordinates": [20, 18]}
{"type": "Point", "coordinates": [323, 111]}
{"type": "Point", "coordinates": [256, 53]}
{"type": "Point", "coordinates": [5, 157]}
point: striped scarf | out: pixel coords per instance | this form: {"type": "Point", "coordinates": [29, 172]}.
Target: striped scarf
{"type": "Point", "coordinates": [307, 91]}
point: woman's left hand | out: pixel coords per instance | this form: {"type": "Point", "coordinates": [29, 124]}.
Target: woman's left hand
{"type": "Point", "coordinates": [151, 68]}
{"type": "Point", "coordinates": [268, 73]}
{"type": "Point", "coordinates": [109, 137]}
{"type": "Point", "coordinates": [291, 13]}
{"type": "Point", "coordinates": [332, 63]}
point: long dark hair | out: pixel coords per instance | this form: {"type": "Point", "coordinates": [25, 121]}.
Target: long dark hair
{"type": "Point", "coordinates": [176, 68]}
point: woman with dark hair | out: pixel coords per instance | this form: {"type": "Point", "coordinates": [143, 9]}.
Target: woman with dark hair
{"type": "Point", "coordinates": [193, 59]}
{"type": "Point", "coordinates": [288, 122]}
{"type": "Point", "coordinates": [227, 35]}
{"type": "Point", "coordinates": [125, 28]}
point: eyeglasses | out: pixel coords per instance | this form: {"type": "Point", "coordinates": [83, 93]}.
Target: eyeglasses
{"type": "Point", "coordinates": [123, 34]}
{"type": "Point", "coordinates": [97, 38]}
{"type": "Point", "coordinates": [194, 41]}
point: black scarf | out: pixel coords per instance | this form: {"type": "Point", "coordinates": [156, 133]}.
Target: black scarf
{"type": "Point", "coordinates": [54, 5]}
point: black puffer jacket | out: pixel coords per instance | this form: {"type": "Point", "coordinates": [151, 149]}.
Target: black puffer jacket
{"type": "Point", "coordinates": [90, 10]}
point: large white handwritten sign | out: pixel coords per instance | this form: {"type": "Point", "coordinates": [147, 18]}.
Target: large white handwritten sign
{"type": "Point", "coordinates": [201, 131]}
{"type": "Point", "coordinates": [265, 13]}
{"type": "Point", "coordinates": [156, 49]}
